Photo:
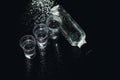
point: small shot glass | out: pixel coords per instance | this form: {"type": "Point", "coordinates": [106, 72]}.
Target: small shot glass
{"type": "Point", "coordinates": [28, 44]}
{"type": "Point", "coordinates": [54, 22]}
{"type": "Point", "coordinates": [40, 32]}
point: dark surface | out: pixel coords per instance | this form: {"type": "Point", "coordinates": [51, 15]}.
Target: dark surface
{"type": "Point", "coordinates": [77, 63]}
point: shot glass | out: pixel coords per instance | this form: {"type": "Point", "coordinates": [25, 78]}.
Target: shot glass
{"type": "Point", "coordinates": [28, 44]}
{"type": "Point", "coordinates": [54, 22]}
{"type": "Point", "coordinates": [40, 32]}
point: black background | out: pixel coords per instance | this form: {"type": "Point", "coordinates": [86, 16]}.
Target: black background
{"type": "Point", "coordinates": [95, 57]}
